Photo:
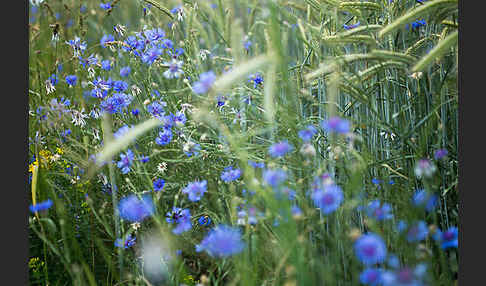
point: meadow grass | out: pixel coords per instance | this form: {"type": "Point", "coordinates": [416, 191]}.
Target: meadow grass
{"type": "Point", "coordinates": [362, 93]}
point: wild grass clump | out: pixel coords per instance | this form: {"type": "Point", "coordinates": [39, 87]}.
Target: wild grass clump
{"type": "Point", "coordinates": [243, 142]}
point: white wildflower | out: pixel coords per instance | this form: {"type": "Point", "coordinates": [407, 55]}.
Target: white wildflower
{"type": "Point", "coordinates": [78, 117]}
{"type": "Point", "coordinates": [162, 167]}
{"type": "Point", "coordinates": [203, 54]}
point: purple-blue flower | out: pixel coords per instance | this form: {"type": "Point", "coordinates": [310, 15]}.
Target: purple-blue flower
{"type": "Point", "coordinates": [204, 220]}
{"type": "Point", "coordinates": [133, 209]}
{"type": "Point", "coordinates": [71, 80]}
{"type": "Point", "coordinates": [439, 154]}
{"type": "Point", "coordinates": [336, 124]}
{"type": "Point", "coordinates": [128, 242]}
{"type": "Point", "coordinates": [156, 108]}
{"type": "Point", "coordinates": [448, 238]}
{"type": "Point", "coordinates": [229, 174]}
{"type": "Point", "coordinates": [195, 190]}
{"type": "Point", "coordinates": [328, 199]}
{"type": "Point", "coordinates": [274, 177]}
{"type": "Point", "coordinates": [349, 27]}
{"type": "Point", "coordinates": [164, 137]}
{"type": "Point", "coordinates": [182, 217]}
{"type": "Point", "coordinates": [370, 249]}
{"type": "Point", "coordinates": [257, 79]}
{"type": "Point", "coordinates": [417, 232]}
{"type": "Point", "coordinates": [105, 39]}
{"type": "Point", "coordinates": [254, 164]}
{"type": "Point", "coordinates": [222, 241]}
{"type": "Point", "coordinates": [159, 184]}
{"type": "Point", "coordinates": [371, 276]}
{"type": "Point", "coordinates": [106, 65]}
{"type": "Point", "coordinates": [307, 133]}
{"type": "Point", "coordinates": [279, 149]}
{"type": "Point", "coordinates": [125, 162]}
{"type": "Point", "coordinates": [125, 71]}
{"type": "Point", "coordinates": [379, 211]}
{"type": "Point", "coordinates": [423, 199]}
{"type": "Point", "coordinates": [105, 6]}
{"type": "Point", "coordinates": [41, 206]}
{"type": "Point", "coordinates": [205, 82]}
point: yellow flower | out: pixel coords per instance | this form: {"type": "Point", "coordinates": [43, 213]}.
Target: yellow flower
{"type": "Point", "coordinates": [59, 151]}
{"type": "Point", "coordinates": [31, 166]}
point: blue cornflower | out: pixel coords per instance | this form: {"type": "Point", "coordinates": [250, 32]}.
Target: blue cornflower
{"type": "Point", "coordinates": [379, 211]}
{"type": "Point", "coordinates": [296, 211]}
{"type": "Point", "coordinates": [205, 82]}
{"type": "Point", "coordinates": [423, 199]}
{"type": "Point", "coordinates": [195, 190]}
{"type": "Point", "coordinates": [125, 71]}
{"type": "Point", "coordinates": [151, 55]}
{"type": "Point", "coordinates": [71, 80]}
{"type": "Point", "coordinates": [174, 70]}
{"type": "Point", "coordinates": [144, 159]}
{"type": "Point", "coordinates": [133, 209]}
{"type": "Point", "coordinates": [135, 112]}
{"type": "Point", "coordinates": [154, 35]}
{"type": "Point", "coordinates": [279, 149]}
{"type": "Point", "coordinates": [41, 206]}
{"type": "Point", "coordinates": [164, 137]}
{"type": "Point", "coordinates": [191, 149]}
{"type": "Point", "coordinates": [182, 217]}
{"type": "Point", "coordinates": [59, 67]}
{"type": "Point", "coordinates": [336, 124]}
{"type": "Point", "coordinates": [257, 79]}
{"type": "Point", "coordinates": [220, 99]}
{"type": "Point", "coordinates": [120, 86]}
{"type": "Point", "coordinates": [83, 9]}
{"type": "Point", "coordinates": [204, 220]}
{"type": "Point", "coordinates": [121, 131]}
{"type": "Point", "coordinates": [128, 242]}
{"type": "Point", "coordinates": [417, 232]}
{"type": "Point", "coordinates": [91, 60]}
{"type": "Point", "coordinates": [448, 238]}
{"type": "Point", "coordinates": [116, 103]}
{"type": "Point", "coordinates": [53, 79]}
{"type": "Point", "coordinates": [167, 44]}
{"type": "Point", "coordinates": [370, 249]}
{"type": "Point", "coordinates": [247, 44]}
{"type": "Point", "coordinates": [375, 181]}
{"type": "Point", "coordinates": [439, 154]}
{"type": "Point", "coordinates": [125, 162]}
{"type": "Point", "coordinates": [105, 39]}
{"type": "Point", "coordinates": [176, 9]}
{"type": "Point", "coordinates": [222, 241]}
{"type": "Point", "coordinates": [371, 276]}
{"type": "Point", "coordinates": [404, 276]}
{"type": "Point", "coordinates": [77, 46]}
{"type": "Point", "coordinates": [156, 108]}
{"type": "Point", "coordinates": [105, 6]}
{"type": "Point", "coordinates": [274, 177]}
{"type": "Point", "coordinates": [180, 118]}
{"type": "Point", "coordinates": [349, 27]}
{"type": "Point", "coordinates": [328, 199]}
{"type": "Point", "coordinates": [254, 164]}
{"type": "Point", "coordinates": [229, 174]}
{"type": "Point", "coordinates": [307, 133]}
{"type": "Point", "coordinates": [401, 226]}
{"type": "Point", "coordinates": [159, 184]}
